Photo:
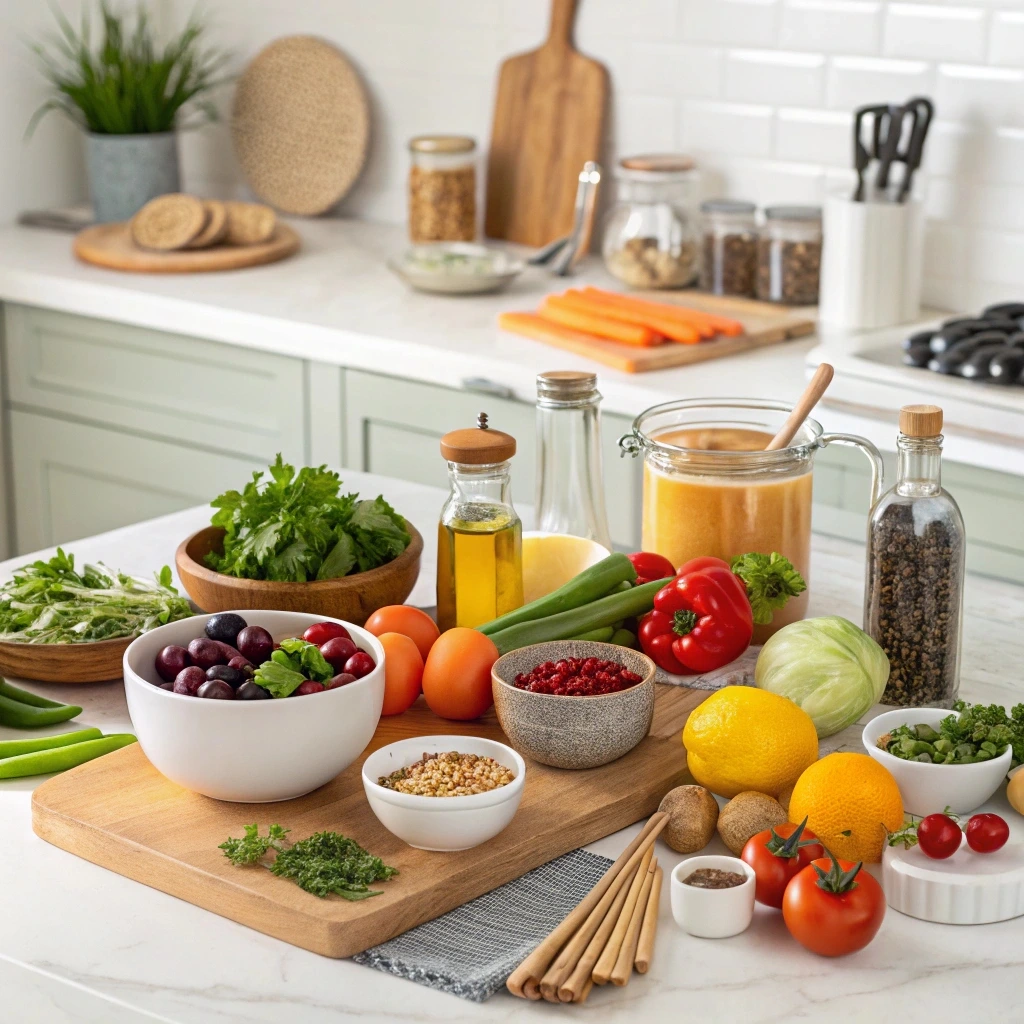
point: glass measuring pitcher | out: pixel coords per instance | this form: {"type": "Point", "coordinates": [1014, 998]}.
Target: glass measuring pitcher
{"type": "Point", "coordinates": [710, 488]}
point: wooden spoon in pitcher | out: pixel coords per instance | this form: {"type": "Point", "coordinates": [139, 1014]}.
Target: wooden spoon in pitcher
{"type": "Point", "coordinates": [808, 400]}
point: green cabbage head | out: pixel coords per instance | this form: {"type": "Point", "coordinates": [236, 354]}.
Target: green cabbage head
{"type": "Point", "coordinates": [828, 666]}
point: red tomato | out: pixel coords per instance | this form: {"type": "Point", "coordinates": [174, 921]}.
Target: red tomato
{"type": "Point", "coordinates": [320, 632]}
{"type": "Point", "coordinates": [939, 836]}
{"type": "Point", "coordinates": [777, 855]}
{"type": "Point", "coordinates": [986, 833]}
{"type": "Point", "coordinates": [650, 567]}
{"type": "Point", "coordinates": [457, 676]}
{"type": "Point", "coordinates": [403, 672]}
{"type": "Point", "coordinates": [702, 562]}
{"type": "Point", "coordinates": [833, 907]}
{"type": "Point", "coordinates": [417, 625]}
{"type": "Point", "coordinates": [360, 664]}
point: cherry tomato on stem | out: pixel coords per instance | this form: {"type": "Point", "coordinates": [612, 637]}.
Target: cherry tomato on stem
{"type": "Point", "coordinates": [777, 855]}
{"type": "Point", "coordinates": [939, 836]}
{"type": "Point", "coordinates": [986, 833]}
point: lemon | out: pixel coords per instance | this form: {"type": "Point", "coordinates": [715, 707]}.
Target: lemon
{"type": "Point", "coordinates": [850, 801]}
{"type": "Point", "coordinates": [742, 738]}
{"type": "Point", "coordinates": [550, 560]}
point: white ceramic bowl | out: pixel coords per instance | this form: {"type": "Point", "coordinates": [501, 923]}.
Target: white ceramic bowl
{"type": "Point", "coordinates": [253, 751]}
{"type": "Point", "coordinates": [930, 788]}
{"type": "Point", "coordinates": [712, 913]}
{"type": "Point", "coordinates": [443, 823]}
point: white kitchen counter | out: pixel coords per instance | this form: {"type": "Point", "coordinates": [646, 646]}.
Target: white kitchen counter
{"type": "Point", "coordinates": [82, 944]}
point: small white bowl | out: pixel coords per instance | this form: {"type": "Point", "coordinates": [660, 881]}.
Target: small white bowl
{"type": "Point", "coordinates": [930, 788]}
{"type": "Point", "coordinates": [712, 913]}
{"type": "Point", "coordinates": [444, 823]}
{"type": "Point", "coordinates": [251, 751]}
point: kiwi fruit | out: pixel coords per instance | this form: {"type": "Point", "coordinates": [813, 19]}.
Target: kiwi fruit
{"type": "Point", "coordinates": [692, 814]}
{"type": "Point", "coordinates": [745, 815]}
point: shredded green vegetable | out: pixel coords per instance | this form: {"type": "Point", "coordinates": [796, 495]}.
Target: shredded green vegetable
{"type": "Point", "coordinates": [51, 603]}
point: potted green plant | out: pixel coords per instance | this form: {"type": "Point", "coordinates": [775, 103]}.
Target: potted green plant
{"type": "Point", "coordinates": [131, 97]}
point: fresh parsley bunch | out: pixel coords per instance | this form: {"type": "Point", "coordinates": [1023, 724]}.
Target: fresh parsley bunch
{"type": "Point", "coordinates": [298, 527]}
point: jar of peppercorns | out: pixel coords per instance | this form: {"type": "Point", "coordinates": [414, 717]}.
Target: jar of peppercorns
{"type": "Point", "coordinates": [442, 189]}
{"type": "Point", "coordinates": [913, 601]}
{"type": "Point", "coordinates": [789, 255]}
{"type": "Point", "coordinates": [729, 257]}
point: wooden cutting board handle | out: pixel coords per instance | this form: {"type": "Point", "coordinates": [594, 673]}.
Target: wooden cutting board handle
{"type": "Point", "coordinates": [563, 17]}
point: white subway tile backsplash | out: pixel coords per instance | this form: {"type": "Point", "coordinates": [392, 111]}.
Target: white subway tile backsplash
{"type": "Point", "coordinates": [728, 128]}
{"type": "Point", "coordinates": [645, 124]}
{"type": "Point", "coordinates": [730, 22]}
{"type": "Point", "coordinates": [767, 181]}
{"type": "Point", "coordinates": [1006, 38]}
{"type": "Point", "coordinates": [814, 136]}
{"type": "Point", "coordinates": [968, 93]}
{"type": "Point", "coordinates": [997, 256]}
{"type": "Point", "coordinates": [637, 19]}
{"type": "Point", "coordinates": [675, 69]}
{"type": "Point", "coordinates": [771, 76]}
{"type": "Point", "coordinates": [831, 26]}
{"type": "Point", "coordinates": [945, 250]}
{"type": "Point", "coordinates": [854, 81]}
{"type": "Point", "coordinates": [934, 32]}
{"type": "Point", "coordinates": [1004, 156]}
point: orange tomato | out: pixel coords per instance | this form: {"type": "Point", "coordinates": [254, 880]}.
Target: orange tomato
{"type": "Point", "coordinates": [403, 672]}
{"type": "Point", "coordinates": [417, 625]}
{"type": "Point", "coordinates": [457, 675]}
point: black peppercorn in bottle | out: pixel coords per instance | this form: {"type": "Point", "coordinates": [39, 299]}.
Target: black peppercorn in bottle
{"type": "Point", "coordinates": [913, 601]}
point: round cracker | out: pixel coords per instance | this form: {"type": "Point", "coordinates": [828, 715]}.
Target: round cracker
{"type": "Point", "coordinates": [216, 225]}
{"type": "Point", "coordinates": [249, 223]}
{"type": "Point", "coordinates": [168, 222]}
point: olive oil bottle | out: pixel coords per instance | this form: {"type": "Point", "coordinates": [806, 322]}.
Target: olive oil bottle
{"type": "Point", "coordinates": [479, 536]}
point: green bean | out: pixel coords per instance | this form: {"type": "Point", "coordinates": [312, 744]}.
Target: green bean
{"type": "Point", "coordinates": [624, 638]}
{"type": "Point", "coordinates": [59, 759]}
{"type": "Point", "coordinates": [29, 716]}
{"type": "Point", "coordinates": [11, 748]}
{"type": "Point", "coordinates": [602, 635]}
{"type": "Point", "coordinates": [6, 690]}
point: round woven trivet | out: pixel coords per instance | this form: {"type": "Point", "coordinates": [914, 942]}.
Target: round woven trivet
{"type": "Point", "coordinates": [300, 125]}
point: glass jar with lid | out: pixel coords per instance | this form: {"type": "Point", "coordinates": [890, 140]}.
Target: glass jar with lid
{"type": "Point", "coordinates": [442, 188]}
{"type": "Point", "coordinates": [789, 255]}
{"type": "Point", "coordinates": [729, 257]}
{"type": "Point", "coordinates": [650, 238]}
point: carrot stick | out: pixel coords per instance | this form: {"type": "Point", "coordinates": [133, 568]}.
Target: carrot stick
{"type": "Point", "coordinates": [594, 323]}
{"type": "Point", "coordinates": [692, 316]}
{"type": "Point", "coordinates": [674, 330]}
{"type": "Point", "coordinates": [643, 308]}
{"type": "Point", "coordinates": [529, 325]}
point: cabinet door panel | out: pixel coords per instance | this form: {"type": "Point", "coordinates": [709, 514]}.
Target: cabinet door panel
{"type": "Point", "coordinates": [72, 480]}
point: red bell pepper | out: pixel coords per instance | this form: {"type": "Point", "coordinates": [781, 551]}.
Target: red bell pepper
{"type": "Point", "coordinates": [650, 567]}
{"type": "Point", "coordinates": [701, 621]}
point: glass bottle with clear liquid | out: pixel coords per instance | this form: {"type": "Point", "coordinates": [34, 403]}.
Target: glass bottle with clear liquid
{"type": "Point", "coordinates": [479, 535]}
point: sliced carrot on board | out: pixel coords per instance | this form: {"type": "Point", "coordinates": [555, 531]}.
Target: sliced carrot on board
{"type": "Point", "coordinates": [592, 323]}
{"type": "Point", "coordinates": [640, 307]}
{"type": "Point", "coordinates": [530, 325]}
{"type": "Point", "coordinates": [674, 330]}
{"type": "Point", "coordinates": [722, 324]}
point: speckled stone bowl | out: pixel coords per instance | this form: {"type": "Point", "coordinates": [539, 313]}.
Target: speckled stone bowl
{"type": "Point", "coordinates": [573, 732]}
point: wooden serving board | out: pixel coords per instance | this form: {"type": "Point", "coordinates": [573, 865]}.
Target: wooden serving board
{"type": "Point", "coordinates": [111, 246]}
{"type": "Point", "coordinates": [69, 663]}
{"type": "Point", "coordinates": [764, 323]}
{"type": "Point", "coordinates": [119, 812]}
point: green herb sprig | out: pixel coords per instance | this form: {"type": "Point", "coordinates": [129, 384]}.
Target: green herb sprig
{"type": "Point", "coordinates": [771, 581]}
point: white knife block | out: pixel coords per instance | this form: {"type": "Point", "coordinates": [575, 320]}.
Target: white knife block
{"type": "Point", "coordinates": [871, 263]}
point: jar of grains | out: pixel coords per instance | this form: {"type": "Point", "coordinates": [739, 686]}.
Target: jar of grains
{"type": "Point", "coordinates": [442, 189]}
{"type": "Point", "coordinates": [729, 258]}
{"type": "Point", "coordinates": [650, 239]}
{"type": "Point", "coordinates": [789, 255]}
{"type": "Point", "coordinates": [913, 601]}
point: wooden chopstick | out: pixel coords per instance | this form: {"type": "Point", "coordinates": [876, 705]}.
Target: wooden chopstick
{"type": "Point", "coordinates": [645, 946]}
{"type": "Point", "coordinates": [624, 964]}
{"type": "Point", "coordinates": [609, 956]}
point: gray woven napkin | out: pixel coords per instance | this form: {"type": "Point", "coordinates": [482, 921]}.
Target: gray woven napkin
{"type": "Point", "coordinates": [471, 951]}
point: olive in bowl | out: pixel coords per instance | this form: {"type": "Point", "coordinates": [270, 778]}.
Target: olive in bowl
{"type": "Point", "coordinates": [250, 749]}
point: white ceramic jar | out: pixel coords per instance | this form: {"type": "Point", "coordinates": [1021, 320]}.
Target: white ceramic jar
{"type": "Point", "coordinates": [712, 913]}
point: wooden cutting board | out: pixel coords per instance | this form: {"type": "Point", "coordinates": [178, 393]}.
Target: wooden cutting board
{"type": "Point", "coordinates": [119, 812]}
{"type": "Point", "coordinates": [111, 246]}
{"type": "Point", "coordinates": [764, 323]}
{"type": "Point", "coordinates": [548, 120]}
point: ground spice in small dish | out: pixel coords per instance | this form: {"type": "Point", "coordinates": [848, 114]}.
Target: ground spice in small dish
{"type": "Point", "coordinates": [714, 878]}
{"type": "Point", "coordinates": [449, 774]}
{"type": "Point", "coordinates": [577, 677]}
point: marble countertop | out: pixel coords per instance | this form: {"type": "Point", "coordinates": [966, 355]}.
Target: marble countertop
{"type": "Point", "coordinates": [82, 944]}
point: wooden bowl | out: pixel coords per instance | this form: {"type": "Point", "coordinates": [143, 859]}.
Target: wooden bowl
{"type": "Point", "coordinates": [64, 663]}
{"type": "Point", "coordinates": [352, 598]}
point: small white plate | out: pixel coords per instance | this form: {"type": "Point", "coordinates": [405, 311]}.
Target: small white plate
{"type": "Point", "coordinates": [456, 268]}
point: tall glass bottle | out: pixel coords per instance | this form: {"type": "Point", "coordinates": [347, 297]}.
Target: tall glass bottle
{"type": "Point", "coordinates": [479, 535]}
{"type": "Point", "coordinates": [913, 601]}
{"type": "Point", "coordinates": [570, 475]}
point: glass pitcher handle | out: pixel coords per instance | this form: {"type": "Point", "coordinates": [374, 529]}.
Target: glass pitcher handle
{"type": "Point", "coordinates": [873, 454]}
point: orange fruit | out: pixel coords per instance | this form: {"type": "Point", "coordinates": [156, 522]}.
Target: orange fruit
{"type": "Point", "coordinates": [850, 802]}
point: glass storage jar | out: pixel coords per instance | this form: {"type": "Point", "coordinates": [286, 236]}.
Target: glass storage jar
{"type": "Point", "coordinates": [650, 238]}
{"type": "Point", "coordinates": [789, 255]}
{"type": "Point", "coordinates": [442, 188]}
{"type": "Point", "coordinates": [729, 256]}
{"type": "Point", "coordinates": [913, 601]}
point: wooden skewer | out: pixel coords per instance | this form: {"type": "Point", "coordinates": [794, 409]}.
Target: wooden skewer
{"type": "Point", "coordinates": [624, 964]}
{"type": "Point", "coordinates": [805, 403]}
{"type": "Point", "coordinates": [570, 991]}
{"type": "Point", "coordinates": [645, 947]}
{"type": "Point", "coordinates": [536, 964]}
{"type": "Point", "coordinates": [606, 962]}
{"type": "Point", "coordinates": [567, 959]}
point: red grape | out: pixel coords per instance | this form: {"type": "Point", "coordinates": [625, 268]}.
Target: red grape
{"type": "Point", "coordinates": [337, 651]}
{"type": "Point", "coordinates": [309, 686]}
{"type": "Point", "coordinates": [170, 661]}
{"type": "Point", "coordinates": [206, 653]}
{"type": "Point", "coordinates": [188, 680]}
{"type": "Point", "coordinates": [244, 665]}
{"type": "Point", "coordinates": [227, 650]}
{"type": "Point", "coordinates": [339, 680]}
{"type": "Point", "coordinates": [320, 632]}
{"type": "Point", "coordinates": [216, 689]}
{"type": "Point", "coordinates": [360, 664]}
{"type": "Point", "coordinates": [987, 833]}
{"type": "Point", "coordinates": [255, 643]}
